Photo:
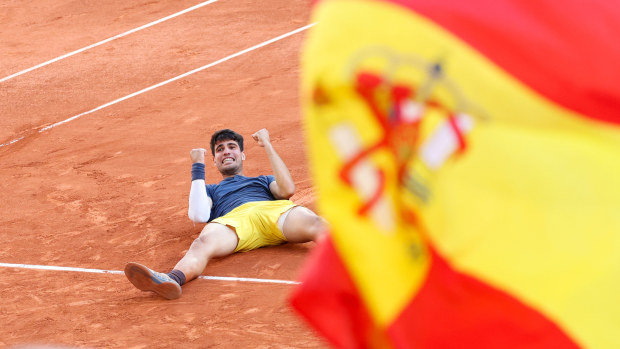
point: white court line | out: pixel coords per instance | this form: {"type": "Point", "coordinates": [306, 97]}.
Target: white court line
{"type": "Point", "coordinates": [13, 141]}
{"type": "Point", "coordinates": [101, 271]}
{"type": "Point", "coordinates": [108, 40]}
{"type": "Point", "coordinates": [265, 43]}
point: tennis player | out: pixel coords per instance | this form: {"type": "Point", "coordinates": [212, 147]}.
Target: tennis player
{"type": "Point", "coordinates": [243, 213]}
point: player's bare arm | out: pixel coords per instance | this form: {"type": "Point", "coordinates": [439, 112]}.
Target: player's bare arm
{"type": "Point", "coordinates": [283, 187]}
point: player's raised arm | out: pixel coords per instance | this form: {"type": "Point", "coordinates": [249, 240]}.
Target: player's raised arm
{"type": "Point", "coordinates": [200, 203]}
{"type": "Point", "coordinates": [283, 187]}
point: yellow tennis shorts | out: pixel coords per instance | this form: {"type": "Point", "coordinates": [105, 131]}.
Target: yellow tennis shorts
{"type": "Point", "coordinates": [256, 223]}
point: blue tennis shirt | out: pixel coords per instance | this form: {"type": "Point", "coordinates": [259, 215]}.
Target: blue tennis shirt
{"type": "Point", "coordinates": [234, 191]}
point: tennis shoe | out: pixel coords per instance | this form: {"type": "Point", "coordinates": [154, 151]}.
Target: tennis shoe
{"type": "Point", "coordinates": [146, 279]}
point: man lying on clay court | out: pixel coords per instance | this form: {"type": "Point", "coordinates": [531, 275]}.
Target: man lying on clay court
{"type": "Point", "coordinates": [244, 213]}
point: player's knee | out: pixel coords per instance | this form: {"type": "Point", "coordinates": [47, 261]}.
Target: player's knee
{"type": "Point", "coordinates": [316, 228]}
{"type": "Point", "coordinates": [206, 241]}
{"type": "Point", "coordinates": [217, 240]}
{"type": "Point", "coordinates": [203, 246]}
{"type": "Point", "coordinates": [202, 241]}
{"type": "Point", "coordinates": [199, 244]}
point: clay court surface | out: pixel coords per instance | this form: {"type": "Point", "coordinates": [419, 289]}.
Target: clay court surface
{"type": "Point", "coordinates": [111, 186]}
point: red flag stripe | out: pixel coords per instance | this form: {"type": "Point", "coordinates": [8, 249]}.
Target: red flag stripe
{"type": "Point", "coordinates": [453, 308]}
{"type": "Point", "coordinates": [566, 51]}
{"type": "Point", "coordinates": [450, 308]}
{"type": "Point", "coordinates": [329, 301]}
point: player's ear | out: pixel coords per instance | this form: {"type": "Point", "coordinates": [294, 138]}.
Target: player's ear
{"type": "Point", "coordinates": [242, 155]}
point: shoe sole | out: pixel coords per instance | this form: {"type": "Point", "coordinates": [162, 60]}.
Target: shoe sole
{"type": "Point", "coordinates": [142, 277]}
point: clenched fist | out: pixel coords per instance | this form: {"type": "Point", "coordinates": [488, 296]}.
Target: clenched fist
{"type": "Point", "coordinates": [198, 155]}
{"type": "Point", "coordinates": [262, 137]}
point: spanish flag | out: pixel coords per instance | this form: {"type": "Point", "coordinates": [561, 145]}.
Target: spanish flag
{"type": "Point", "coordinates": [467, 157]}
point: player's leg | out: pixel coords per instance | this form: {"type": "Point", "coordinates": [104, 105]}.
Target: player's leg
{"type": "Point", "coordinates": [215, 240]}
{"type": "Point", "coordinates": [303, 225]}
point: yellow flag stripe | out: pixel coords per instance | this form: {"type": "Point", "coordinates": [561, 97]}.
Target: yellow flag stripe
{"type": "Point", "coordinates": [530, 207]}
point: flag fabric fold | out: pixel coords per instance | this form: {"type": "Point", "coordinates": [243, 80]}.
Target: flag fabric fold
{"type": "Point", "coordinates": [466, 155]}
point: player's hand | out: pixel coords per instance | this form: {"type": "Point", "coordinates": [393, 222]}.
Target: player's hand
{"type": "Point", "coordinates": [198, 155]}
{"type": "Point", "coordinates": [262, 137]}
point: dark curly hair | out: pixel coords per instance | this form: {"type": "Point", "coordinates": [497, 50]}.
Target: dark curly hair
{"type": "Point", "coordinates": [226, 135]}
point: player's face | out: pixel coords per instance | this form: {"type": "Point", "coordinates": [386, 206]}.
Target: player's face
{"type": "Point", "coordinates": [228, 157]}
